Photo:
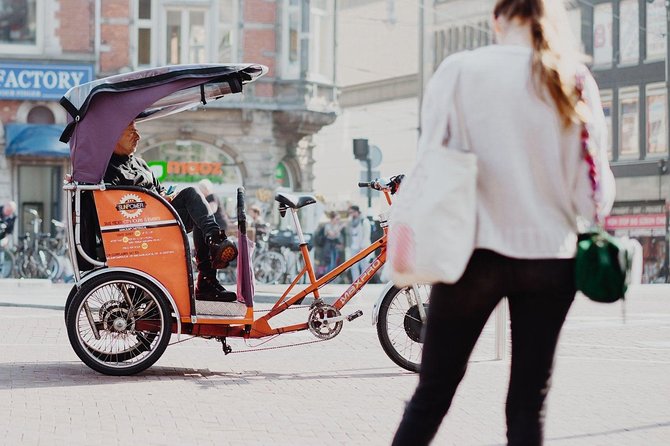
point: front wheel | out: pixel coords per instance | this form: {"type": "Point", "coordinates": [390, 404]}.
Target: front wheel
{"type": "Point", "coordinates": [118, 323]}
{"type": "Point", "coordinates": [400, 324]}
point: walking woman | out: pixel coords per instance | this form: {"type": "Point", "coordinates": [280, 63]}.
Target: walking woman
{"type": "Point", "coordinates": [519, 102]}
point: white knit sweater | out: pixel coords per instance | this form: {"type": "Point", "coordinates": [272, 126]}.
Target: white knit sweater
{"type": "Point", "coordinates": [533, 184]}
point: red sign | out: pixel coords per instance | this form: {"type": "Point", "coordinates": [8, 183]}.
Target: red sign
{"type": "Point", "coordinates": [636, 221]}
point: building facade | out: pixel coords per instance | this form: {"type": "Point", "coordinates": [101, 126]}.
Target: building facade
{"type": "Point", "coordinates": [261, 139]}
{"type": "Point", "coordinates": [627, 41]}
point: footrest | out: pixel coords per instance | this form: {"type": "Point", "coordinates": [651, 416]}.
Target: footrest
{"type": "Point", "coordinates": [211, 308]}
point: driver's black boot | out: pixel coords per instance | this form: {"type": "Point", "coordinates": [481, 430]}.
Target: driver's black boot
{"type": "Point", "coordinates": [208, 288]}
{"type": "Point", "coordinates": [221, 250]}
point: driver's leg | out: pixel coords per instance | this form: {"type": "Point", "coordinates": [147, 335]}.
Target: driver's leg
{"type": "Point", "coordinates": [194, 211]}
{"type": "Point", "coordinates": [207, 286]}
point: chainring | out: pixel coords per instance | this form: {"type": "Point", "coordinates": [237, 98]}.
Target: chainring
{"type": "Point", "coordinates": [318, 322]}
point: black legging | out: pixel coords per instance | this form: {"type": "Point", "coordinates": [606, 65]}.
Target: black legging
{"type": "Point", "coordinates": [540, 293]}
{"type": "Point", "coordinates": [194, 212]}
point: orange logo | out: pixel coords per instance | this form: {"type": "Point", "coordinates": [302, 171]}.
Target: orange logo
{"type": "Point", "coordinates": [131, 206]}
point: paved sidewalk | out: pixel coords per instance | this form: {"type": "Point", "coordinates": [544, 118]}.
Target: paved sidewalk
{"type": "Point", "coordinates": [610, 387]}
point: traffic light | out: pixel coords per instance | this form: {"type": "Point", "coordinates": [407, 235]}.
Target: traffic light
{"type": "Point", "coordinates": [361, 149]}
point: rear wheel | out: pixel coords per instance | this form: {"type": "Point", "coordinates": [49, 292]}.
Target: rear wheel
{"type": "Point", "coordinates": [400, 326]}
{"type": "Point", "coordinates": [119, 324]}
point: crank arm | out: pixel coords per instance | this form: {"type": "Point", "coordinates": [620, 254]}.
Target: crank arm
{"type": "Point", "coordinates": [343, 318]}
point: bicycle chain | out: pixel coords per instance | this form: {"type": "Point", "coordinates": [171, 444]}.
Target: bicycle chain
{"type": "Point", "coordinates": [254, 349]}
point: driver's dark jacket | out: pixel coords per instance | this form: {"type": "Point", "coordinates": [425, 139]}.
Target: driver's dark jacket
{"type": "Point", "coordinates": [124, 170]}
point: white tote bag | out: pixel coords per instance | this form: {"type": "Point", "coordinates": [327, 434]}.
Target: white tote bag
{"type": "Point", "coordinates": [433, 218]}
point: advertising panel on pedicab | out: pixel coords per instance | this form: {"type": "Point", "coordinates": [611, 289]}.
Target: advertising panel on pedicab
{"type": "Point", "coordinates": [136, 225]}
{"type": "Point", "coordinates": [139, 231]}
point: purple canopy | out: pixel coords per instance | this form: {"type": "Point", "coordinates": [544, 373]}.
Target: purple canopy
{"type": "Point", "coordinates": [102, 109]}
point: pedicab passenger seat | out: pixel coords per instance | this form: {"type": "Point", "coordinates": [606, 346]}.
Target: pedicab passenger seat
{"type": "Point", "coordinates": [91, 237]}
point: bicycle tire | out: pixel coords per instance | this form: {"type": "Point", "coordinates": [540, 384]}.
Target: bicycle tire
{"type": "Point", "coordinates": [113, 355]}
{"type": "Point", "coordinates": [269, 267]}
{"type": "Point", "coordinates": [398, 327]}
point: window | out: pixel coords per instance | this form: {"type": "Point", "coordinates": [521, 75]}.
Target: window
{"type": "Point", "coordinates": [322, 39]}
{"type": "Point", "coordinates": [227, 31]}
{"type": "Point", "coordinates": [656, 26]}
{"type": "Point", "coordinates": [657, 120]}
{"type": "Point", "coordinates": [185, 36]}
{"type": "Point", "coordinates": [602, 34]}
{"type": "Point", "coordinates": [629, 35]}
{"type": "Point", "coordinates": [20, 29]}
{"type": "Point", "coordinates": [144, 33]}
{"type": "Point", "coordinates": [40, 115]}
{"type": "Point", "coordinates": [181, 33]}
{"type": "Point", "coordinates": [575, 19]}
{"type": "Point", "coordinates": [629, 122]}
{"type": "Point", "coordinates": [606, 97]}
{"type": "Point", "coordinates": [291, 39]}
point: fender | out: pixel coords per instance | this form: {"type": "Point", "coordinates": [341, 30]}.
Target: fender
{"type": "Point", "coordinates": [144, 275]}
{"type": "Point", "coordinates": [378, 304]}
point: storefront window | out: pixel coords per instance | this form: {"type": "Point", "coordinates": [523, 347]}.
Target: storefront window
{"type": "Point", "coordinates": [629, 123]}
{"type": "Point", "coordinates": [629, 34]}
{"type": "Point", "coordinates": [602, 34]}
{"type": "Point", "coordinates": [657, 120]}
{"type": "Point", "coordinates": [606, 97]}
{"type": "Point", "coordinates": [18, 22]}
{"type": "Point", "coordinates": [656, 29]}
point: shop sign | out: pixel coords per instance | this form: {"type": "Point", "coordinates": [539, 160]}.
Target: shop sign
{"type": "Point", "coordinates": [40, 82]}
{"type": "Point", "coordinates": [186, 171]}
{"type": "Point", "coordinates": [636, 221]}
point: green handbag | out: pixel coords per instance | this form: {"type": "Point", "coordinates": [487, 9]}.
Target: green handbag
{"type": "Point", "coordinates": [603, 266]}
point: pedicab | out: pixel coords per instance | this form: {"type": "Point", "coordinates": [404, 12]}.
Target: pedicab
{"type": "Point", "coordinates": [134, 283]}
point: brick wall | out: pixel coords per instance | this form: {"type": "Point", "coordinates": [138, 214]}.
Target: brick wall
{"type": "Point", "coordinates": [260, 11]}
{"type": "Point", "coordinates": [115, 36]}
{"type": "Point", "coordinates": [76, 32]}
{"type": "Point", "coordinates": [260, 40]}
{"type": "Point", "coordinates": [8, 110]}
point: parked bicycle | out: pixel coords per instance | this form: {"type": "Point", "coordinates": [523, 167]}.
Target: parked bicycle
{"type": "Point", "coordinates": [6, 259]}
{"type": "Point", "coordinates": [34, 260]}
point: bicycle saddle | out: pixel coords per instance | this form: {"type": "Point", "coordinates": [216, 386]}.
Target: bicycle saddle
{"type": "Point", "coordinates": [294, 201]}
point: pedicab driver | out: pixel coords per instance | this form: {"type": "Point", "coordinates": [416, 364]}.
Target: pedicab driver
{"type": "Point", "coordinates": [213, 250]}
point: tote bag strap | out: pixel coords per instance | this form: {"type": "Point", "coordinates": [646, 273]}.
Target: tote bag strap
{"type": "Point", "coordinates": [587, 154]}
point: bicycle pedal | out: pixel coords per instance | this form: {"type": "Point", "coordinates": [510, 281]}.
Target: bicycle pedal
{"type": "Point", "coordinates": [355, 315]}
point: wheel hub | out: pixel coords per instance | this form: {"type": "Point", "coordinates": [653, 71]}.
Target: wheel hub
{"type": "Point", "coordinates": [116, 317]}
{"type": "Point", "coordinates": [413, 324]}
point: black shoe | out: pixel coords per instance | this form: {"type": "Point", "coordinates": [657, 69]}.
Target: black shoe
{"type": "Point", "coordinates": [221, 250]}
{"type": "Point", "coordinates": [209, 288]}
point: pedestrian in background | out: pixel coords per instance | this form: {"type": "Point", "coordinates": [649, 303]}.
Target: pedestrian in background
{"type": "Point", "coordinates": [520, 110]}
{"type": "Point", "coordinates": [358, 237]}
{"type": "Point", "coordinates": [7, 218]}
{"type": "Point", "coordinates": [334, 241]}
{"type": "Point", "coordinates": [219, 212]}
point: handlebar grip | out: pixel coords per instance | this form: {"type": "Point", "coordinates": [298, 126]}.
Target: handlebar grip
{"type": "Point", "coordinates": [360, 184]}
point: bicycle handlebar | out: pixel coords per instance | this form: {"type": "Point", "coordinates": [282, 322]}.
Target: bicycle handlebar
{"type": "Point", "coordinates": [381, 184]}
